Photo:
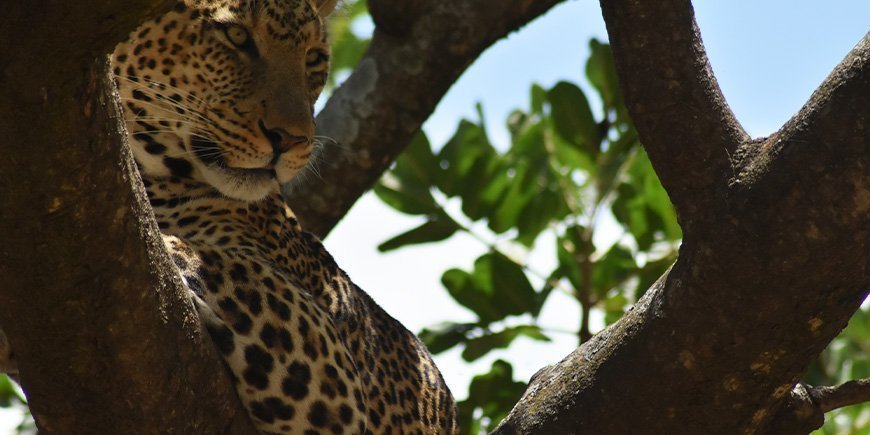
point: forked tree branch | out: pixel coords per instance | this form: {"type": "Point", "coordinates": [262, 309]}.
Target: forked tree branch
{"type": "Point", "coordinates": [773, 264]}
{"type": "Point", "coordinates": [418, 50]}
{"type": "Point", "coordinates": [674, 100]}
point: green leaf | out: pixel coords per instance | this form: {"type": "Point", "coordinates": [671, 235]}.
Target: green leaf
{"type": "Point", "coordinates": [610, 164]}
{"type": "Point", "coordinates": [481, 119]}
{"type": "Point", "coordinates": [347, 47]}
{"type": "Point", "coordinates": [513, 293]}
{"type": "Point", "coordinates": [444, 336]}
{"type": "Point", "coordinates": [495, 289]}
{"type": "Point", "coordinates": [9, 393]}
{"type": "Point", "coordinates": [601, 72]}
{"type": "Point", "coordinates": [484, 187]}
{"type": "Point", "coordinates": [470, 295]}
{"type": "Point", "coordinates": [528, 144]}
{"type": "Point", "coordinates": [521, 190]}
{"type": "Point", "coordinates": [642, 205]}
{"type": "Point", "coordinates": [405, 197]}
{"type": "Point", "coordinates": [436, 229]}
{"type": "Point", "coordinates": [614, 308]}
{"type": "Point", "coordinates": [570, 247]}
{"type": "Point", "coordinates": [417, 163]}
{"type": "Point", "coordinates": [494, 393]}
{"type": "Point", "coordinates": [572, 117]}
{"type": "Point", "coordinates": [407, 187]}
{"type": "Point", "coordinates": [538, 96]}
{"type": "Point", "coordinates": [347, 50]}
{"type": "Point", "coordinates": [656, 198]}
{"type": "Point", "coordinates": [612, 269]}
{"type": "Point", "coordinates": [544, 208]}
{"type": "Point", "coordinates": [573, 158]}
{"type": "Point", "coordinates": [479, 346]}
{"type": "Point", "coordinates": [458, 157]}
{"type": "Point", "coordinates": [473, 170]}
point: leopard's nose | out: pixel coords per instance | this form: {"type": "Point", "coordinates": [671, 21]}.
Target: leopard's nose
{"type": "Point", "coordinates": [281, 139]}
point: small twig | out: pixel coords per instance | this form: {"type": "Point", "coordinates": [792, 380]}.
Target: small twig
{"type": "Point", "coordinates": [846, 394]}
{"type": "Point", "coordinates": [804, 409]}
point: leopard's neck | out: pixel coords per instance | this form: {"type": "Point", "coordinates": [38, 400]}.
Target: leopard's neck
{"type": "Point", "coordinates": [176, 200]}
{"type": "Point", "coordinates": [199, 215]}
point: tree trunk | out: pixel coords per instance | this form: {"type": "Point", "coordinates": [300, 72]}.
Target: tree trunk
{"type": "Point", "coordinates": [106, 338]}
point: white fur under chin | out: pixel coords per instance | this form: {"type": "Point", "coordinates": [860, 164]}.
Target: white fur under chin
{"type": "Point", "coordinates": [239, 187]}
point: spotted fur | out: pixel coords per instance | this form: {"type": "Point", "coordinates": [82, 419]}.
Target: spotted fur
{"type": "Point", "coordinates": [218, 97]}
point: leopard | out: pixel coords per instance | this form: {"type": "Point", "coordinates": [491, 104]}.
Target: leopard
{"type": "Point", "coordinates": [218, 99]}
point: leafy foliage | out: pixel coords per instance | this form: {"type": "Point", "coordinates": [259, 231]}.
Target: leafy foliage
{"type": "Point", "coordinates": [9, 393]}
{"type": "Point", "coordinates": [11, 396]}
{"type": "Point", "coordinates": [569, 167]}
{"type": "Point", "coordinates": [347, 45]}
{"type": "Point", "coordinates": [490, 398]}
{"type": "Point", "coordinates": [565, 170]}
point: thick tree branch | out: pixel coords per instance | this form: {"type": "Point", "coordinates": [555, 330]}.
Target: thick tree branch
{"type": "Point", "coordinates": [680, 113]}
{"type": "Point", "coordinates": [717, 344]}
{"type": "Point", "coordinates": [418, 50]}
{"type": "Point", "coordinates": [105, 335]}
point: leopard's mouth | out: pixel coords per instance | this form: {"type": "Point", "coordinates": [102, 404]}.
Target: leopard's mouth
{"type": "Point", "coordinates": [208, 152]}
{"type": "Point", "coordinates": [247, 184]}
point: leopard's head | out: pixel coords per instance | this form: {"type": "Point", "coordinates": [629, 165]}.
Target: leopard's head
{"type": "Point", "coordinates": [222, 91]}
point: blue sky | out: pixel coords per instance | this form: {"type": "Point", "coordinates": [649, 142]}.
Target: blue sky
{"type": "Point", "coordinates": [768, 56]}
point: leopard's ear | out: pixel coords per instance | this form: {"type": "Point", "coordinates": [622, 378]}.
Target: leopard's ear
{"type": "Point", "coordinates": [325, 7]}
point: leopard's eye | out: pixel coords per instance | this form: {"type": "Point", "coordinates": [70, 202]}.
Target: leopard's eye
{"type": "Point", "coordinates": [238, 35]}
{"type": "Point", "coordinates": [315, 57]}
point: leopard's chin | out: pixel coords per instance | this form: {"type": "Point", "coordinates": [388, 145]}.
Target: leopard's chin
{"type": "Point", "coordinates": [243, 184]}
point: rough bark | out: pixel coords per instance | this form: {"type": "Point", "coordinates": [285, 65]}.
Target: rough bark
{"type": "Point", "coordinates": [418, 50]}
{"type": "Point", "coordinates": [106, 338]}
{"type": "Point", "coordinates": [774, 260]}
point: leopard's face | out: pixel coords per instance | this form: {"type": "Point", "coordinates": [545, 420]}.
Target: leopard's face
{"type": "Point", "coordinates": [222, 91]}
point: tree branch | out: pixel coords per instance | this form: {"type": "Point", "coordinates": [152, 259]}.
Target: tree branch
{"type": "Point", "coordinates": [840, 396]}
{"type": "Point", "coordinates": [103, 331]}
{"type": "Point", "coordinates": [823, 130]}
{"type": "Point", "coordinates": [681, 116]}
{"type": "Point", "coordinates": [418, 50]}
{"type": "Point", "coordinates": [804, 409]}
{"type": "Point", "coordinates": [763, 283]}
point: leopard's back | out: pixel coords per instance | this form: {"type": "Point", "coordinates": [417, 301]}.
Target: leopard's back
{"type": "Point", "coordinates": [309, 349]}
